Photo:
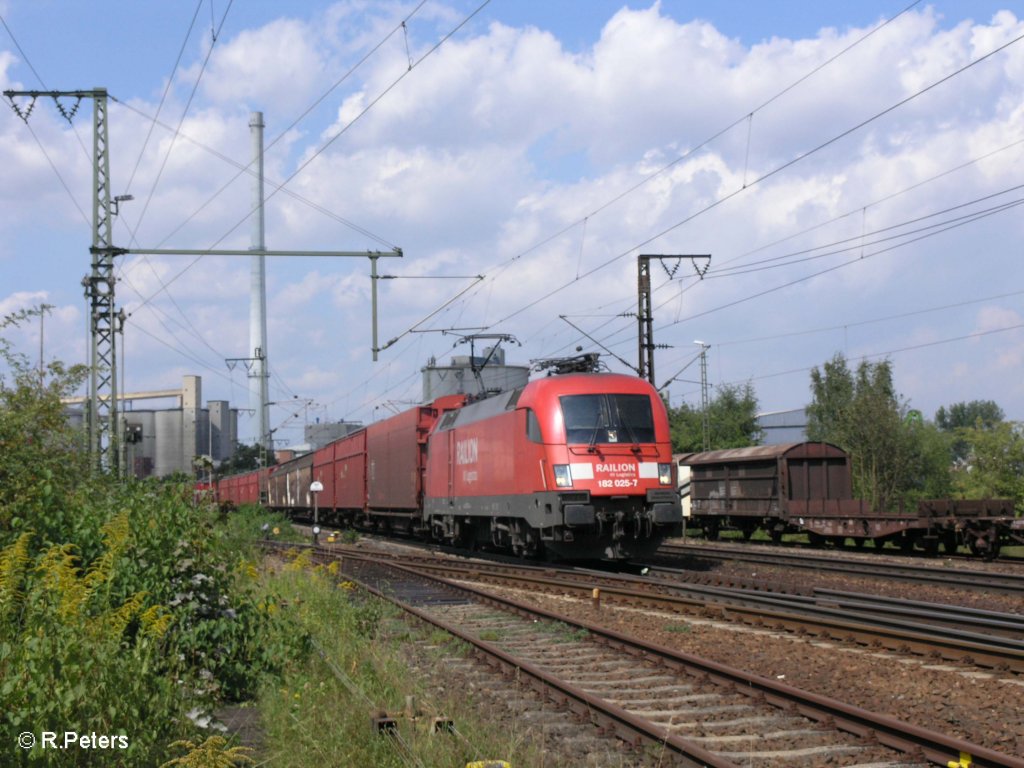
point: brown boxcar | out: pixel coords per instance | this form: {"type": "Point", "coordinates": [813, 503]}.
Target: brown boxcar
{"type": "Point", "coordinates": [808, 487]}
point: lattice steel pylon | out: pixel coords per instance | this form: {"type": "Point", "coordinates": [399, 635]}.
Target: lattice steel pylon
{"type": "Point", "coordinates": [644, 314]}
{"type": "Point", "coordinates": [105, 321]}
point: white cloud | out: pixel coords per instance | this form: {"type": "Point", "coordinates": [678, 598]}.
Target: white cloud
{"type": "Point", "coordinates": [277, 64]}
{"type": "Point", "coordinates": [487, 158]}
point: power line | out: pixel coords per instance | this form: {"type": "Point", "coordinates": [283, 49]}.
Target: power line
{"type": "Point", "coordinates": [857, 242]}
{"type": "Point", "coordinates": [184, 113]}
{"type": "Point", "coordinates": [701, 145]}
{"type": "Point", "coordinates": [246, 168]}
{"type": "Point", "coordinates": [343, 130]}
{"type": "Point", "coordinates": [22, 52]}
{"type": "Point", "coordinates": [861, 209]}
{"type": "Point", "coordinates": [870, 321]}
{"type": "Point", "coordinates": [835, 267]}
{"type": "Point", "coordinates": [764, 177]}
{"type": "Point", "coordinates": [805, 230]}
{"type": "Point", "coordinates": [946, 226]}
{"type": "Point", "coordinates": [686, 155]}
{"type": "Point", "coordinates": [887, 353]}
{"type": "Point", "coordinates": [163, 96]}
{"type": "Point", "coordinates": [71, 195]}
{"type": "Point", "coordinates": [163, 165]}
{"type": "Point", "coordinates": [338, 134]}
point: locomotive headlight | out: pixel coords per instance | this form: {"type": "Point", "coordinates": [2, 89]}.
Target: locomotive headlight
{"type": "Point", "coordinates": [563, 477]}
{"type": "Point", "coordinates": [665, 474]}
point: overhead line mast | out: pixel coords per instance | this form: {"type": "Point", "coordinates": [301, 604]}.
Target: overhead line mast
{"type": "Point", "coordinates": [104, 320]}
{"type": "Point", "coordinates": [645, 313]}
{"type": "Point", "coordinates": [102, 420]}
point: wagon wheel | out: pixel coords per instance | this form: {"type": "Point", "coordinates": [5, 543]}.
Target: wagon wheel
{"type": "Point", "coordinates": [776, 534]}
{"type": "Point", "coordinates": [711, 530]}
{"type": "Point", "coordinates": [984, 544]}
{"type": "Point", "coordinates": [949, 542]}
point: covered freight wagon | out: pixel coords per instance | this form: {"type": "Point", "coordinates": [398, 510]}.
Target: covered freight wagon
{"type": "Point", "coordinates": [808, 488]}
{"type": "Point", "coordinates": [778, 488]}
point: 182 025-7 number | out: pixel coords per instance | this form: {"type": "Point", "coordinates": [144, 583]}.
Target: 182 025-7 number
{"type": "Point", "coordinates": [627, 483]}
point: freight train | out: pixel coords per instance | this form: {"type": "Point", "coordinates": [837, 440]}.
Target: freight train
{"type": "Point", "coordinates": [570, 466]}
{"type": "Point", "coordinates": [808, 488]}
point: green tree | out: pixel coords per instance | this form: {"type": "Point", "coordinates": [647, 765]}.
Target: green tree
{"type": "Point", "coordinates": [245, 457]}
{"type": "Point", "coordinates": [43, 464]}
{"type": "Point", "coordinates": [934, 457]}
{"type": "Point", "coordinates": [732, 421]}
{"type": "Point", "coordinates": [894, 458]}
{"type": "Point", "coordinates": [963, 414]}
{"type": "Point", "coordinates": [122, 605]}
{"type": "Point", "coordinates": [994, 467]}
{"type": "Point", "coordinates": [980, 414]}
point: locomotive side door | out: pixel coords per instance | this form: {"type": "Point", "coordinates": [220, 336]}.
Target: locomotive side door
{"type": "Point", "coordinates": [450, 437]}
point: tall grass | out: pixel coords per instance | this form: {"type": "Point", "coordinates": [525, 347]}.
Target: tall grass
{"type": "Point", "coordinates": [322, 710]}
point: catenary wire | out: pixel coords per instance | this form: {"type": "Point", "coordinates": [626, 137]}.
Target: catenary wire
{"type": "Point", "coordinates": [334, 138]}
{"type": "Point", "coordinates": [764, 177]}
{"type": "Point", "coordinates": [805, 230]}
{"type": "Point", "coordinates": [74, 201]}
{"type": "Point", "coordinates": [681, 158]}
{"type": "Point", "coordinates": [689, 153]}
{"type": "Point", "coordinates": [824, 271]}
{"type": "Point", "coordinates": [869, 321]}
{"type": "Point", "coordinates": [940, 228]}
{"type": "Point", "coordinates": [887, 353]}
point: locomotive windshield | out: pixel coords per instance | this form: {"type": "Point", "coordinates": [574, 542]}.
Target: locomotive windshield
{"type": "Point", "coordinates": [593, 419]}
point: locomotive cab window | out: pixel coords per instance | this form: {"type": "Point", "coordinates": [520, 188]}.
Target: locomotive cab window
{"type": "Point", "coordinates": [605, 419]}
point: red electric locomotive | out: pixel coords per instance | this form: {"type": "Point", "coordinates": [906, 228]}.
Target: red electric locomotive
{"type": "Point", "coordinates": [577, 465]}
{"type": "Point", "coordinates": [569, 466]}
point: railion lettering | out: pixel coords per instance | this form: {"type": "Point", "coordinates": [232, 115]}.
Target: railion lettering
{"type": "Point", "coordinates": [466, 451]}
{"type": "Point", "coordinates": [615, 467]}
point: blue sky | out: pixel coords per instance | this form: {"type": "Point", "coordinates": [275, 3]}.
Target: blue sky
{"type": "Point", "coordinates": [544, 145]}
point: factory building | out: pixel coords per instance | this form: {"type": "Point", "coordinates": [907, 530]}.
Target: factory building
{"type": "Point", "coordinates": [158, 442]}
{"type": "Point", "coordinates": [779, 427]}
{"type": "Point", "coordinates": [161, 442]}
{"type": "Point", "coordinates": [485, 374]}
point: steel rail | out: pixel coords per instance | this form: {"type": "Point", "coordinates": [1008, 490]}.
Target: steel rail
{"type": "Point", "coordinates": [987, 580]}
{"type": "Point", "coordinates": [826, 617]}
{"type": "Point", "coordinates": [766, 611]}
{"type": "Point", "coordinates": [609, 717]}
{"type": "Point", "coordinates": [958, 615]}
{"type": "Point", "coordinates": [888, 731]}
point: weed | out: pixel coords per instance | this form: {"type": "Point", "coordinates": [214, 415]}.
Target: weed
{"type": "Point", "coordinates": [563, 633]}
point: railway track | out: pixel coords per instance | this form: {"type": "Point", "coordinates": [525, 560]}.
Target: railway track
{"type": "Point", "coordinates": [952, 633]}
{"type": "Point", "coordinates": [698, 712]}
{"type": "Point", "coordinates": [1008, 583]}
{"type": "Point", "coordinates": [995, 641]}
